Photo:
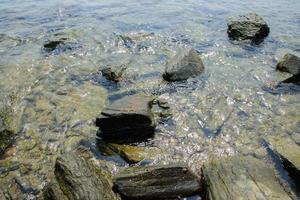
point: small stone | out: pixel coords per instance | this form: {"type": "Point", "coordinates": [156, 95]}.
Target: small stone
{"type": "Point", "coordinates": [289, 63]}
{"type": "Point", "coordinates": [157, 182]}
{"type": "Point", "coordinates": [184, 65]}
{"type": "Point", "coordinates": [113, 75]}
{"type": "Point", "coordinates": [248, 27]}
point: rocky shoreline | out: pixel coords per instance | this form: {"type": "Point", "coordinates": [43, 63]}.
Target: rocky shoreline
{"type": "Point", "coordinates": [126, 127]}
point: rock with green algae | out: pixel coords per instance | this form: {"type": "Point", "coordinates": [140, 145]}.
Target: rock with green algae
{"type": "Point", "coordinates": [157, 182]}
{"type": "Point", "coordinates": [78, 179]}
{"type": "Point", "coordinates": [289, 153]}
{"type": "Point", "coordinates": [6, 135]}
{"type": "Point", "coordinates": [240, 177]}
{"type": "Point", "coordinates": [135, 154]}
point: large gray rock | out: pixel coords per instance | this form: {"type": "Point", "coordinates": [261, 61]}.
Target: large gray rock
{"type": "Point", "coordinates": [161, 182]}
{"type": "Point", "coordinates": [289, 153]}
{"type": "Point", "coordinates": [248, 27]}
{"type": "Point", "coordinates": [289, 63]}
{"type": "Point", "coordinates": [184, 65]}
{"type": "Point", "coordinates": [79, 179]}
{"type": "Point", "coordinates": [127, 120]}
{"type": "Point", "coordinates": [241, 178]}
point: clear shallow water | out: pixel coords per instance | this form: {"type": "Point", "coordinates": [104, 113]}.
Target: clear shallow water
{"type": "Point", "coordinates": [225, 111]}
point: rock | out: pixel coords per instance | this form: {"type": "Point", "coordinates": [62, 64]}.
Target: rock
{"type": "Point", "coordinates": [241, 178]}
{"type": "Point", "coordinates": [52, 45]}
{"type": "Point", "coordinates": [60, 45]}
{"type": "Point", "coordinates": [289, 63]}
{"type": "Point", "coordinates": [127, 120]}
{"type": "Point", "coordinates": [113, 75]}
{"type": "Point", "coordinates": [80, 179]}
{"type": "Point", "coordinates": [135, 154]}
{"type": "Point", "coordinates": [289, 153]}
{"type": "Point", "coordinates": [184, 65]}
{"type": "Point", "coordinates": [294, 79]}
{"type": "Point", "coordinates": [6, 137]}
{"type": "Point", "coordinates": [53, 192]}
{"type": "Point", "coordinates": [248, 27]}
{"type": "Point", "coordinates": [160, 182]}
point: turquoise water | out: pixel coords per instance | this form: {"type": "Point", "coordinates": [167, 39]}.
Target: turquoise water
{"type": "Point", "coordinates": [225, 111]}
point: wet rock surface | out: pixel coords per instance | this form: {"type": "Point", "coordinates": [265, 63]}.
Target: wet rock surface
{"type": "Point", "coordinates": [59, 45]}
{"type": "Point", "coordinates": [113, 74]}
{"type": "Point", "coordinates": [289, 63]}
{"type": "Point", "coordinates": [127, 120]}
{"type": "Point", "coordinates": [289, 153]}
{"type": "Point", "coordinates": [186, 64]}
{"type": "Point", "coordinates": [295, 79]}
{"type": "Point", "coordinates": [160, 182]}
{"type": "Point", "coordinates": [241, 178]}
{"type": "Point", "coordinates": [80, 179]}
{"type": "Point", "coordinates": [248, 27]}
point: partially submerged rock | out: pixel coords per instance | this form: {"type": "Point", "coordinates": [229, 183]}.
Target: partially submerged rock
{"type": "Point", "coordinates": [248, 27]}
{"type": "Point", "coordinates": [184, 65]}
{"type": "Point", "coordinates": [113, 74]}
{"type": "Point", "coordinates": [57, 46]}
{"type": "Point", "coordinates": [135, 154]}
{"type": "Point", "coordinates": [159, 182]}
{"type": "Point", "coordinates": [295, 79]}
{"type": "Point", "coordinates": [289, 63]}
{"type": "Point", "coordinates": [241, 178]}
{"type": "Point", "coordinates": [127, 120]}
{"type": "Point", "coordinates": [289, 153]}
{"type": "Point", "coordinates": [6, 136]}
{"type": "Point", "coordinates": [79, 179]}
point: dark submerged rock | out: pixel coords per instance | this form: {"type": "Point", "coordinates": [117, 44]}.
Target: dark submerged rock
{"type": "Point", "coordinates": [289, 153]}
{"type": "Point", "coordinates": [127, 120]}
{"type": "Point", "coordinates": [161, 182]}
{"type": "Point", "coordinates": [241, 178]}
{"type": "Point", "coordinates": [295, 79]}
{"type": "Point", "coordinates": [58, 46]}
{"type": "Point", "coordinates": [248, 27]}
{"type": "Point", "coordinates": [80, 179]}
{"type": "Point", "coordinates": [289, 63]}
{"type": "Point", "coordinates": [6, 137]}
{"type": "Point", "coordinates": [184, 65]}
{"type": "Point", "coordinates": [113, 74]}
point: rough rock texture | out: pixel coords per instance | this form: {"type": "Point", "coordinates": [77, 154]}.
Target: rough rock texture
{"type": "Point", "coordinates": [159, 182]}
{"type": "Point", "coordinates": [79, 179]}
{"type": "Point", "coordinates": [248, 27]}
{"type": "Point", "coordinates": [184, 65]}
{"type": "Point", "coordinates": [289, 152]}
{"type": "Point", "coordinates": [135, 154]}
{"type": "Point", "coordinates": [241, 178]}
{"type": "Point", "coordinates": [127, 120]}
{"type": "Point", "coordinates": [289, 63]}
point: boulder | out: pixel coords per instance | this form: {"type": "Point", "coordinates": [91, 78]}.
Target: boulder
{"type": "Point", "coordinates": [248, 27]}
{"type": "Point", "coordinates": [289, 153]}
{"type": "Point", "coordinates": [289, 63]}
{"type": "Point", "coordinates": [79, 179]}
{"type": "Point", "coordinates": [127, 120]}
{"type": "Point", "coordinates": [157, 182]}
{"type": "Point", "coordinates": [184, 65]}
{"type": "Point", "coordinates": [241, 178]}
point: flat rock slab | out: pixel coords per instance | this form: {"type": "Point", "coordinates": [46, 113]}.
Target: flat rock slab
{"type": "Point", "coordinates": [248, 27]}
{"type": "Point", "coordinates": [79, 179]}
{"type": "Point", "coordinates": [289, 153]}
{"type": "Point", "coordinates": [185, 64]}
{"type": "Point", "coordinates": [161, 182]}
{"type": "Point", "coordinates": [289, 63]}
{"type": "Point", "coordinates": [242, 178]}
{"type": "Point", "coordinates": [127, 120]}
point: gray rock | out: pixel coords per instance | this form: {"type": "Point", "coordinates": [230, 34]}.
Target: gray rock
{"type": "Point", "coordinates": [289, 63]}
{"type": "Point", "coordinates": [289, 153]}
{"type": "Point", "coordinates": [127, 120]}
{"type": "Point", "coordinates": [248, 27]}
{"type": "Point", "coordinates": [79, 179]}
{"type": "Point", "coordinates": [159, 182]}
{"type": "Point", "coordinates": [184, 65]}
{"type": "Point", "coordinates": [241, 178]}
{"type": "Point", "coordinates": [295, 79]}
